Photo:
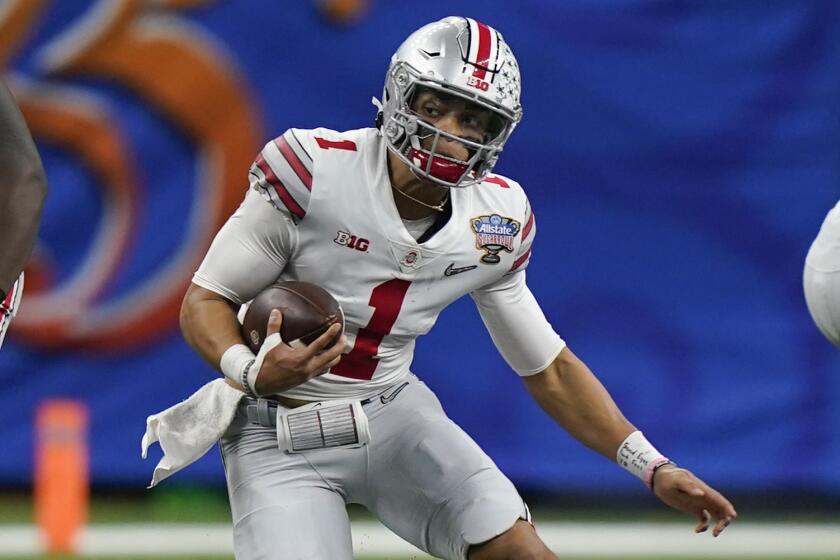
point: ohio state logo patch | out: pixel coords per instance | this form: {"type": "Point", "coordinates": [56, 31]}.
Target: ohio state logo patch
{"type": "Point", "coordinates": [494, 234]}
{"type": "Point", "coordinates": [410, 258]}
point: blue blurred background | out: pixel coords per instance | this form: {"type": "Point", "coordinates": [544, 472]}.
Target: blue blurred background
{"type": "Point", "coordinates": [679, 156]}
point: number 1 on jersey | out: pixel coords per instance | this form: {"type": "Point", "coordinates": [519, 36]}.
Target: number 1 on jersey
{"type": "Point", "coordinates": [386, 300]}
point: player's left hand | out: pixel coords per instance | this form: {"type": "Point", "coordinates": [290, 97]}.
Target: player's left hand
{"type": "Point", "coordinates": [683, 491]}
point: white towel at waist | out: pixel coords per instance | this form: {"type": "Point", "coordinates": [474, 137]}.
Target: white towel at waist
{"type": "Point", "coordinates": [189, 429]}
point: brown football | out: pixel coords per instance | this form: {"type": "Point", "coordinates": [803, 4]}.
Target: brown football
{"type": "Point", "coordinates": [308, 310]}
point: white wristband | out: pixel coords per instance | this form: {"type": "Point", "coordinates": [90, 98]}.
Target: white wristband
{"type": "Point", "coordinates": [234, 361]}
{"type": "Point", "coordinates": [637, 455]}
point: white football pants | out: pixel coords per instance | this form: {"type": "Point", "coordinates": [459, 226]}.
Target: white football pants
{"type": "Point", "coordinates": [421, 475]}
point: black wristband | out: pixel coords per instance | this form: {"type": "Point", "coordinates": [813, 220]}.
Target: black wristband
{"type": "Point", "coordinates": [656, 468]}
{"type": "Point", "coordinates": [2, 295]}
{"type": "Point", "coordinates": [244, 381]}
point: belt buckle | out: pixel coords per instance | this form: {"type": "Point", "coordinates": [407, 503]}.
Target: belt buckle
{"type": "Point", "coordinates": [322, 425]}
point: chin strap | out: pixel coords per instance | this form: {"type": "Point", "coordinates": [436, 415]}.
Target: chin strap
{"type": "Point", "coordinates": [439, 167]}
{"type": "Point", "coordinates": [380, 115]}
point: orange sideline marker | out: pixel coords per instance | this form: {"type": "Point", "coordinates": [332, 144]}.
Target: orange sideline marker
{"type": "Point", "coordinates": [61, 473]}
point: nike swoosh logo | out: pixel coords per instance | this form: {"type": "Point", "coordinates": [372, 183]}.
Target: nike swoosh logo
{"type": "Point", "coordinates": [392, 396]}
{"type": "Point", "coordinates": [452, 271]}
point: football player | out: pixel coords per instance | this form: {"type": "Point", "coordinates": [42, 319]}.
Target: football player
{"type": "Point", "coordinates": [822, 277]}
{"type": "Point", "coordinates": [23, 187]}
{"type": "Point", "coordinates": [397, 222]}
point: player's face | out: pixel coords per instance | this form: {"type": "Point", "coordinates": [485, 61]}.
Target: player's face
{"type": "Point", "coordinates": [455, 116]}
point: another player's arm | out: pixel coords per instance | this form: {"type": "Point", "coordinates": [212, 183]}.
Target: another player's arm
{"type": "Point", "coordinates": [22, 192]}
{"type": "Point", "coordinates": [248, 255]}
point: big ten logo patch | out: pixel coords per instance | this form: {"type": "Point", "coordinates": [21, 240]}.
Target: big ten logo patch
{"type": "Point", "coordinates": [351, 241]}
{"type": "Point", "coordinates": [151, 111]}
{"type": "Point", "coordinates": [478, 84]}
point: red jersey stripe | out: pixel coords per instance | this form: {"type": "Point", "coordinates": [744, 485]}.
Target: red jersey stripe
{"type": "Point", "coordinates": [483, 58]}
{"type": "Point", "coordinates": [294, 161]}
{"type": "Point", "coordinates": [528, 225]}
{"type": "Point", "coordinates": [498, 181]}
{"type": "Point", "coordinates": [518, 262]}
{"type": "Point", "coordinates": [279, 188]}
{"type": "Point", "coordinates": [7, 307]}
{"type": "Point", "coordinates": [300, 145]}
{"type": "Point", "coordinates": [10, 297]}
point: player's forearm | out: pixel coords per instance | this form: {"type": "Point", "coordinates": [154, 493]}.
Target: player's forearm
{"type": "Point", "coordinates": [209, 324]}
{"type": "Point", "coordinates": [23, 187]}
{"type": "Point", "coordinates": [571, 394]}
{"type": "Point", "coordinates": [20, 215]}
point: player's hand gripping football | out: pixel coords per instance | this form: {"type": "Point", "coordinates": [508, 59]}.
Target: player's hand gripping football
{"type": "Point", "coordinates": [683, 491]}
{"type": "Point", "coordinates": [285, 367]}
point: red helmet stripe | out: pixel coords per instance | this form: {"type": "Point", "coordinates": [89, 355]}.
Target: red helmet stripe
{"type": "Point", "coordinates": [482, 59]}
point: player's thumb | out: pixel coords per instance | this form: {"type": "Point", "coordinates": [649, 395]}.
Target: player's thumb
{"type": "Point", "coordinates": [274, 322]}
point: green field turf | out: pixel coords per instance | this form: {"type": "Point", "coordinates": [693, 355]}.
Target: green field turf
{"type": "Point", "coordinates": [185, 505]}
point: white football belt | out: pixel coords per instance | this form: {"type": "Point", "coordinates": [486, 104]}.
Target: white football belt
{"type": "Point", "coordinates": [322, 424]}
{"type": "Point", "coordinates": [319, 425]}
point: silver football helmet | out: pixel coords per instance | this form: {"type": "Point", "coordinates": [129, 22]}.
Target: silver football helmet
{"type": "Point", "coordinates": [460, 57]}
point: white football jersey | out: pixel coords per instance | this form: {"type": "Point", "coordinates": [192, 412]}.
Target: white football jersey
{"type": "Point", "coordinates": [824, 254]}
{"type": "Point", "coordinates": [321, 209]}
{"type": "Point", "coordinates": [821, 278]}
